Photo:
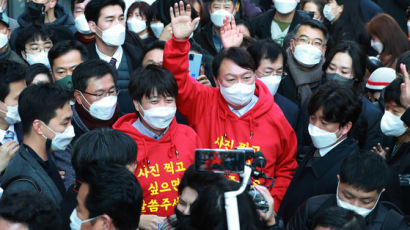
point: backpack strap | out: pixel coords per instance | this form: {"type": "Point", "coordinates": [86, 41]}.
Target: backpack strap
{"type": "Point", "coordinates": [21, 179]}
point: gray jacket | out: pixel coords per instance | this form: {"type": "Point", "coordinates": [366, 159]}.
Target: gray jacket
{"type": "Point", "coordinates": [30, 176]}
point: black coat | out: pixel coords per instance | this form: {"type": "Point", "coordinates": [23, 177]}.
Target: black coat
{"type": "Point", "coordinates": [261, 24]}
{"type": "Point", "coordinates": [383, 217]}
{"type": "Point", "coordinates": [312, 179]}
{"type": "Point", "coordinates": [289, 109]}
{"type": "Point", "coordinates": [204, 39]}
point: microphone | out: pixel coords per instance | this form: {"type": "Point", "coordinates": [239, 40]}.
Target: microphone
{"type": "Point", "coordinates": [259, 160]}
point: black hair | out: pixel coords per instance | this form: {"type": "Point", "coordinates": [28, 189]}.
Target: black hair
{"type": "Point", "coordinates": [392, 91]}
{"type": "Point", "coordinates": [34, 209]}
{"type": "Point", "coordinates": [142, 6]}
{"type": "Point", "coordinates": [73, 2]}
{"type": "Point", "coordinates": [359, 59]}
{"type": "Point", "coordinates": [315, 24]}
{"type": "Point", "coordinates": [152, 78]}
{"type": "Point", "coordinates": [198, 180]}
{"type": "Point", "coordinates": [337, 218]}
{"type": "Point", "coordinates": [319, 3]}
{"type": "Point", "coordinates": [40, 101]}
{"type": "Point", "coordinates": [33, 70]}
{"type": "Point", "coordinates": [365, 170]}
{"type": "Point", "coordinates": [10, 72]}
{"type": "Point", "coordinates": [114, 191]}
{"type": "Point", "coordinates": [94, 7]}
{"type": "Point", "coordinates": [266, 49]}
{"type": "Point", "coordinates": [89, 69]}
{"type": "Point", "coordinates": [160, 10]}
{"type": "Point", "coordinates": [32, 33]}
{"type": "Point", "coordinates": [403, 59]}
{"type": "Point", "coordinates": [155, 45]}
{"type": "Point", "coordinates": [339, 103]}
{"type": "Point", "coordinates": [208, 211]}
{"type": "Point", "coordinates": [103, 145]}
{"type": "Point", "coordinates": [239, 56]}
{"type": "Point", "coordinates": [63, 47]}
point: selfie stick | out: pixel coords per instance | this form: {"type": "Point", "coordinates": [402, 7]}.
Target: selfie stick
{"type": "Point", "coordinates": [231, 203]}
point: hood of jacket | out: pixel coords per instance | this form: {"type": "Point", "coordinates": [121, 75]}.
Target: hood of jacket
{"type": "Point", "coordinates": [61, 14]}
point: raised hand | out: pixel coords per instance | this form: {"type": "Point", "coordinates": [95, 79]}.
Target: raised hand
{"type": "Point", "coordinates": [379, 150]}
{"type": "Point", "coordinates": [405, 87]}
{"type": "Point", "coordinates": [181, 22]}
{"type": "Point", "coordinates": [231, 36]}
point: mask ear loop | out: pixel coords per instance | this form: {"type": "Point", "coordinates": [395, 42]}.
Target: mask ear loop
{"type": "Point", "coordinates": [82, 95]}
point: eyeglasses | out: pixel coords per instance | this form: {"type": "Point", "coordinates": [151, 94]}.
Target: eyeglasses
{"type": "Point", "coordinates": [306, 41]}
{"type": "Point", "coordinates": [112, 92]}
{"type": "Point", "coordinates": [38, 49]}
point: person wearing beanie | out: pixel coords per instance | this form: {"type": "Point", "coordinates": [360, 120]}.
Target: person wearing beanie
{"type": "Point", "coordinates": [378, 80]}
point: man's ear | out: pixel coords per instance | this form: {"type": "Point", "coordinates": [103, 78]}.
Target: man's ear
{"type": "Point", "coordinates": [93, 26]}
{"type": "Point", "coordinates": [338, 177]}
{"type": "Point", "coordinates": [37, 127]}
{"type": "Point", "coordinates": [107, 222]}
{"type": "Point", "coordinates": [8, 33]}
{"type": "Point", "coordinates": [346, 128]}
{"type": "Point", "coordinates": [292, 44]}
{"type": "Point", "coordinates": [136, 106]}
{"type": "Point", "coordinates": [324, 52]}
{"type": "Point", "coordinates": [216, 82]}
{"type": "Point", "coordinates": [77, 96]}
{"type": "Point", "coordinates": [23, 54]}
{"type": "Point", "coordinates": [340, 9]}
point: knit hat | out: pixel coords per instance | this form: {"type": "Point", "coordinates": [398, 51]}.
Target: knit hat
{"type": "Point", "coordinates": [380, 78]}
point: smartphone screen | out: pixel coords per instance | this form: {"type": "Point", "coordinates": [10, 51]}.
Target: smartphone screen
{"type": "Point", "coordinates": [220, 160]}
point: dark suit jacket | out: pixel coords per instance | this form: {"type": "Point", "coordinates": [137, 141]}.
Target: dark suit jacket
{"type": "Point", "coordinates": [24, 165]}
{"type": "Point", "coordinates": [18, 128]}
{"type": "Point", "coordinates": [312, 179]}
{"type": "Point", "coordinates": [289, 109]}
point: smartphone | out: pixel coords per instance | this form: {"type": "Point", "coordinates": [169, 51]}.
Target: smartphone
{"type": "Point", "coordinates": [220, 160]}
{"type": "Point", "coordinates": [195, 61]}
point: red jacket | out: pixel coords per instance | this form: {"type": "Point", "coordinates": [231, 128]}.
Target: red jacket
{"type": "Point", "coordinates": [264, 127]}
{"type": "Point", "coordinates": [161, 164]}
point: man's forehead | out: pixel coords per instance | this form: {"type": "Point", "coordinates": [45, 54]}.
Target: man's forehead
{"type": "Point", "coordinates": [313, 33]}
{"type": "Point", "coordinates": [359, 193]}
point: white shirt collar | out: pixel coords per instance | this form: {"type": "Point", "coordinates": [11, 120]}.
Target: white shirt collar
{"type": "Point", "coordinates": [325, 150]}
{"type": "Point", "coordinates": [3, 133]}
{"type": "Point", "coordinates": [117, 55]}
{"type": "Point", "coordinates": [240, 112]}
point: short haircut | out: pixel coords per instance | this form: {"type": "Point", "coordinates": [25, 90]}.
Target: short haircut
{"type": "Point", "coordinates": [114, 191]}
{"type": "Point", "coordinates": [158, 44]}
{"type": "Point", "coordinates": [93, 9]}
{"type": "Point", "coordinates": [365, 170]}
{"type": "Point", "coordinates": [198, 180]}
{"type": "Point", "coordinates": [315, 24]}
{"type": "Point", "coordinates": [103, 145]}
{"type": "Point", "coordinates": [61, 48]}
{"type": "Point", "coordinates": [238, 55]}
{"type": "Point", "coordinates": [34, 209]}
{"type": "Point", "coordinates": [266, 49]}
{"type": "Point", "coordinates": [10, 72]}
{"type": "Point", "coordinates": [392, 91]}
{"type": "Point", "coordinates": [89, 69]}
{"type": "Point", "coordinates": [31, 33]}
{"type": "Point", "coordinates": [339, 103]}
{"type": "Point", "coordinates": [337, 218]}
{"type": "Point", "coordinates": [352, 49]}
{"type": "Point", "coordinates": [403, 59]}
{"type": "Point", "coordinates": [211, 1]}
{"type": "Point", "coordinates": [152, 78]}
{"type": "Point", "coordinates": [40, 101]}
{"type": "Point", "coordinates": [33, 70]}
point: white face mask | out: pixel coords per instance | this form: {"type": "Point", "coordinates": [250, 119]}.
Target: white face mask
{"type": "Point", "coordinates": [61, 140]}
{"type": "Point", "coordinates": [3, 40]}
{"type": "Point", "coordinates": [285, 6]}
{"type": "Point", "coordinates": [378, 46]}
{"type": "Point", "coordinates": [157, 28]}
{"type": "Point", "coordinates": [12, 115]}
{"type": "Point", "coordinates": [408, 27]}
{"type": "Point", "coordinates": [239, 94]}
{"type": "Point", "coordinates": [218, 17]}
{"type": "Point", "coordinates": [322, 138]}
{"type": "Point", "coordinates": [41, 57]}
{"type": "Point", "coordinates": [272, 82]}
{"type": "Point", "coordinates": [358, 210]}
{"type": "Point", "coordinates": [307, 55]}
{"type": "Point", "coordinates": [159, 117]}
{"type": "Point", "coordinates": [392, 125]}
{"type": "Point", "coordinates": [102, 109]}
{"type": "Point", "coordinates": [81, 25]}
{"type": "Point", "coordinates": [75, 222]}
{"type": "Point", "coordinates": [114, 36]}
{"type": "Point", "coordinates": [136, 25]}
{"type": "Point", "coordinates": [327, 12]}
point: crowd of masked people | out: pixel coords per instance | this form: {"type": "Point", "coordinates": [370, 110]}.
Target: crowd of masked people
{"type": "Point", "coordinates": [103, 105]}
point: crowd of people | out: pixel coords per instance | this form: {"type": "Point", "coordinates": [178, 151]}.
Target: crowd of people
{"type": "Point", "coordinates": [102, 107]}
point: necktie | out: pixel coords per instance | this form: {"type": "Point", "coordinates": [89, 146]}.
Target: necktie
{"type": "Point", "coordinates": [9, 136]}
{"type": "Point", "coordinates": [113, 62]}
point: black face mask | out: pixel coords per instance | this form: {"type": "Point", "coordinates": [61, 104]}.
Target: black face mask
{"type": "Point", "coordinates": [36, 12]}
{"type": "Point", "coordinates": [182, 218]}
{"type": "Point", "coordinates": [337, 78]}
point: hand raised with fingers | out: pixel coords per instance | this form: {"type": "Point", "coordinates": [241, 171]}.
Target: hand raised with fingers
{"type": "Point", "coordinates": [181, 22]}
{"type": "Point", "coordinates": [405, 87]}
{"type": "Point", "coordinates": [231, 36]}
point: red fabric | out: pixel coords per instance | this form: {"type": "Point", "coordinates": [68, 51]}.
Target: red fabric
{"type": "Point", "coordinates": [264, 127]}
{"type": "Point", "coordinates": [375, 83]}
{"type": "Point", "coordinates": [154, 160]}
